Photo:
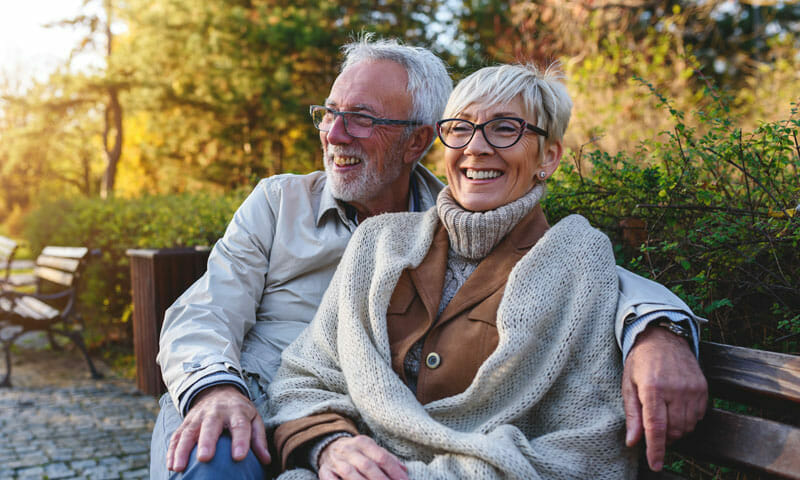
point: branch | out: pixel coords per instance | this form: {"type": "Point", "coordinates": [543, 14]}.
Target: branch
{"type": "Point", "coordinates": [704, 208]}
{"type": "Point", "coordinates": [755, 180]}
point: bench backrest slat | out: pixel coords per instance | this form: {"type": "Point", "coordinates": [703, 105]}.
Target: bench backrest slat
{"type": "Point", "coordinates": [70, 252]}
{"type": "Point", "coordinates": [65, 264]}
{"type": "Point", "coordinates": [752, 442]}
{"type": "Point", "coordinates": [6, 247]}
{"type": "Point", "coordinates": [55, 276]}
{"type": "Point", "coordinates": [759, 372]}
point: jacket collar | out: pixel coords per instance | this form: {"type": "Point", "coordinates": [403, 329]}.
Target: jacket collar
{"type": "Point", "coordinates": [425, 187]}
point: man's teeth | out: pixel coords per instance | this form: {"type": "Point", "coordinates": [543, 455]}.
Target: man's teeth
{"type": "Point", "coordinates": [342, 161]}
{"type": "Point", "coordinates": [482, 174]}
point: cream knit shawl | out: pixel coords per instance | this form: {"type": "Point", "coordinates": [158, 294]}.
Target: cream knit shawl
{"type": "Point", "coordinates": [545, 404]}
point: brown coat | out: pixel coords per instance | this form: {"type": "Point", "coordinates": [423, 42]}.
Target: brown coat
{"type": "Point", "coordinates": [460, 339]}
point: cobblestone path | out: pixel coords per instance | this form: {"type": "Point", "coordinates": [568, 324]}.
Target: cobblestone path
{"type": "Point", "coordinates": [56, 422]}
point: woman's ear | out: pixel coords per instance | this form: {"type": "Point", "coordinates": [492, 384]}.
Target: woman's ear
{"type": "Point", "coordinates": [416, 145]}
{"type": "Point", "coordinates": [552, 157]}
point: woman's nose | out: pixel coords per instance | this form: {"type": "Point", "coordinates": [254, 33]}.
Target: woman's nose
{"type": "Point", "coordinates": [478, 145]}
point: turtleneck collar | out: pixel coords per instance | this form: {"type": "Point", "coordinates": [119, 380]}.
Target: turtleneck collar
{"type": "Point", "coordinates": [474, 234]}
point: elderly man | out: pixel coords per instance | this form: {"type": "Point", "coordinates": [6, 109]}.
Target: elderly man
{"type": "Point", "coordinates": [221, 341]}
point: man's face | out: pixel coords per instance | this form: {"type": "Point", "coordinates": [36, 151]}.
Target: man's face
{"type": "Point", "coordinates": [361, 169]}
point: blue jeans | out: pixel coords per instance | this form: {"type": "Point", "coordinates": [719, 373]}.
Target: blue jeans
{"type": "Point", "coordinates": [221, 466]}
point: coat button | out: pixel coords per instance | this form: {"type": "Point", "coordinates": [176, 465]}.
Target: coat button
{"type": "Point", "coordinates": [433, 360]}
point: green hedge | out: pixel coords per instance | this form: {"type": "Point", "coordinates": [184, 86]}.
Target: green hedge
{"type": "Point", "coordinates": [115, 225]}
{"type": "Point", "coordinates": [713, 213]}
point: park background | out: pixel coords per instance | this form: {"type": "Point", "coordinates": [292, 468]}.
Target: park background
{"type": "Point", "coordinates": [683, 145]}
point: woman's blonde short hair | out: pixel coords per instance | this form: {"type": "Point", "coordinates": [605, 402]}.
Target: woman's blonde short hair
{"type": "Point", "coordinates": [544, 97]}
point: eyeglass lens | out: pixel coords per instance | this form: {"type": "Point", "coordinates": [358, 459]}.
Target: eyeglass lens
{"type": "Point", "coordinates": [499, 133]}
{"type": "Point", "coordinates": [355, 124]}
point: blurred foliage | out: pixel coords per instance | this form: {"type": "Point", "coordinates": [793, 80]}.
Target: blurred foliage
{"type": "Point", "coordinates": [713, 213]}
{"type": "Point", "coordinates": [115, 225]}
{"type": "Point", "coordinates": [751, 49]}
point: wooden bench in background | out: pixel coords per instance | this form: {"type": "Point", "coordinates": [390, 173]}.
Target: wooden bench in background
{"type": "Point", "coordinates": [52, 308]}
{"type": "Point", "coordinates": [765, 441]}
{"type": "Point", "coordinates": [7, 249]}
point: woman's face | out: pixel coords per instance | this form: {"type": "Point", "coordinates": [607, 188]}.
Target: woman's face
{"type": "Point", "coordinates": [482, 177]}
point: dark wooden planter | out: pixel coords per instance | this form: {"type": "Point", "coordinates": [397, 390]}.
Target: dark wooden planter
{"type": "Point", "coordinates": [158, 277]}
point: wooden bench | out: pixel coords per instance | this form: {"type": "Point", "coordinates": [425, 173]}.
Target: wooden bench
{"type": "Point", "coordinates": [7, 249]}
{"type": "Point", "coordinates": [52, 308]}
{"type": "Point", "coordinates": [766, 439]}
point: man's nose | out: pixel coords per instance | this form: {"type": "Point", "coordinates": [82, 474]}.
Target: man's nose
{"type": "Point", "coordinates": [338, 135]}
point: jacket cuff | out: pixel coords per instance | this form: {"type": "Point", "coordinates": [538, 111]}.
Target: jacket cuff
{"type": "Point", "coordinates": [212, 380]}
{"type": "Point", "coordinates": [636, 325]}
{"type": "Point", "coordinates": [292, 436]}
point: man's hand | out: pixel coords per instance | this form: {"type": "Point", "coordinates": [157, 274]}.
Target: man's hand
{"type": "Point", "coordinates": [663, 390]}
{"type": "Point", "coordinates": [359, 458]}
{"type": "Point", "coordinates": [215, 409]}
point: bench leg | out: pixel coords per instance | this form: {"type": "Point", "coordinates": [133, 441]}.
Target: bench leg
{"type": "Point", "coordinates": [6, 383]}
{"type": "Point", "coordinates": [53, 344]}
{"type": "Point", "coordinates": [77, 339]}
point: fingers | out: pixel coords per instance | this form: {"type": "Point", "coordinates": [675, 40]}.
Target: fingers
{"type": "Point", "coordinates": [259, 440]}
{"type": "Point", "coordinates": [239, 425]}
{"type": "Point", "coordinates": [678, 422]}
{"type": "Point", "coordinates": [360, 457]}
{"type": "Point", "coordinates": [181, 444]}
{"type": "Point", "coordinates": [327, 474]}
{"type": "Point", "coordinates": [633, 411]}
{"type": "Point", "coordinates": [654, 415]}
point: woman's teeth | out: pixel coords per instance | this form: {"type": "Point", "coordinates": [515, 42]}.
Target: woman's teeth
{"type": "Point", "coordinates": [342, 161]}
{"type": "Point", "coordinates": [482, 174]}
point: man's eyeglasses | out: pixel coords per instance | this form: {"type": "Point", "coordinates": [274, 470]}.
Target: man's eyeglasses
{"type": "Point", "coordinates": [356, 124]}
{"type": "Point", "coordinates": [501, 132]}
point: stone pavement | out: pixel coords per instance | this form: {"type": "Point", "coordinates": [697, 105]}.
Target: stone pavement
{"type": "Point", "coordinates": [56, 422]}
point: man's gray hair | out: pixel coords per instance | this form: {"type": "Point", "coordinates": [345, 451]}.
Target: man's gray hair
{"type": "Point", "coordinates": [429, 84]}
{"type": "Point", "coordinates": [545, 99]}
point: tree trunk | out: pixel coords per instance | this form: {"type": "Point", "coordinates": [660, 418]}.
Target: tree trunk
{"type": "Point", "coordinates": [113, 118]}
{"type": "Point", "coordinates": [113, 121]}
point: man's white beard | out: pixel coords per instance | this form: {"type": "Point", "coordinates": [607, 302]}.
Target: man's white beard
{"type": "Point", "coordinates": [365, 182]}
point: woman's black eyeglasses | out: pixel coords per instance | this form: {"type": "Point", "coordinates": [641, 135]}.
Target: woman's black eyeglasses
{"type": "Point", "coordinates": [501, 132]}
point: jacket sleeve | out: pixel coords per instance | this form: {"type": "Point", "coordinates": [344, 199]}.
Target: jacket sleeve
{"type": "Point", "coordinates": [296, 435]}
{"type": "Point", "coordinates": [204, 329]}
{"type": "Point", "coordinates": [639, 296]}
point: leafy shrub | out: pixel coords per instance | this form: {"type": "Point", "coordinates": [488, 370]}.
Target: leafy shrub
{"type": "Point", "coordinates": [712, 214]}
{"type": "Point", "coordinates": [115, 225]}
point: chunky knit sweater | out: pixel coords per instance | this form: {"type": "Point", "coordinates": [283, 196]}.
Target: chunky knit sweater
{"type": "Point", "coordinates": [545, 404]}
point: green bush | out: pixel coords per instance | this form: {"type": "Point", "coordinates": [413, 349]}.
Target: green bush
{"type": "Point", "coordinates": [115, 225]}
{"type": "Point", "coordinates": [712, 214]}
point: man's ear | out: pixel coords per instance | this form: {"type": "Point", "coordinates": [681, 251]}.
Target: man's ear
{"type": "Point", "coordinates": [552, 157]}
{"type": "Point", "coordinates": [416, 145]}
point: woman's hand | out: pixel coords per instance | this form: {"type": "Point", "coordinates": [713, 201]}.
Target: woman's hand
{"type": "Point", "coordinates": [359, 458]}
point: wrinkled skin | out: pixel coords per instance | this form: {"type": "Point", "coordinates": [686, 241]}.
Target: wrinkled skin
{"type": "Point", "coordinates": [359, 458]}
{"type": "Point", "coordinates": [664, 392]}
{"type": "Point", "coordinates": [214, 409]}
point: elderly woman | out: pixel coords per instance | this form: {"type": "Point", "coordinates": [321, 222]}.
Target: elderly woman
{"type": "Point", "coordinates": [473, 340]}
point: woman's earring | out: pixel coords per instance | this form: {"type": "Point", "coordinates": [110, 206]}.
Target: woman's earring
{"type": "Point", "coordinates": [542, 175]}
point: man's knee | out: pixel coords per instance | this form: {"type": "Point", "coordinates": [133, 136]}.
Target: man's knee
{"type": "Point", "coordinates": [223, 465]}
